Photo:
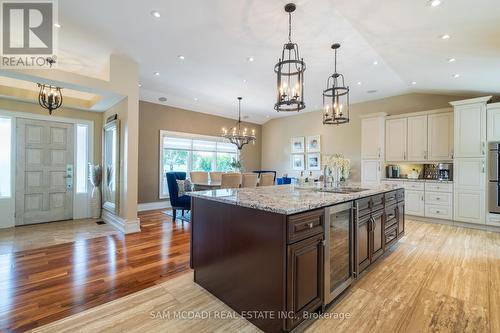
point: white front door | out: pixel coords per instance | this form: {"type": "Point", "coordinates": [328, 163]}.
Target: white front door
{"type": "Point", "coordinates": [44, 171]}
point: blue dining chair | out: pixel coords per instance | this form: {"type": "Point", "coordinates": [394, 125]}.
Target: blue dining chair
{"type": "Point", "coordinates": [178, 203]}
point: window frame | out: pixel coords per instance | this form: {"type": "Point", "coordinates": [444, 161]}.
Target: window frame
{"type": "Point", "coordinates": [190, 150]}
{"type": "Point", "coordinates": [12, 146]}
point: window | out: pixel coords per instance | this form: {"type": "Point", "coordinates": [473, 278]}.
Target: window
{"type": "Point", "coordinates": [187, 152]}
{"type": "Point", "coordinates": [5, 157]}
{"type": "Point", "coordinates": [81, 158]}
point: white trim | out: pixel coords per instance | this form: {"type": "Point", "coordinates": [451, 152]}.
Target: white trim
{"type": "Point", "coordinates": [484, 99]}
{"type": "Point", "coordinates": [127, 226]}
{"type": "Point", "coordinates": [142, 207]}
{"type": "Point", "coordinates": [484, 227]}
{"type": "Point", "coordinates": [14, 115]}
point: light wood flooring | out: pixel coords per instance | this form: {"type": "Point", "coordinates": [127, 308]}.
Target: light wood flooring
{"type": "Point", "coordinates": [438, 279]}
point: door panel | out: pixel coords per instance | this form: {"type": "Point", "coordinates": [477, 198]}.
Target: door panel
{"type": "Point", "coordinates": [372, 137]}
{"type": "Point", "coordinates": [417, 138]}
{"type": "Point", "coordinates": [415, 203]}
{"type": "Point", "coordinates": [440, 138]}
{"type": "Point", "coordinates": [44, 152]}
{"type": "Point", "coordinates": [470, 130]}
{"type": "Point", "coordinates": [395, 139]}
{"type": "Point", "coordinates": [470, 206]}
{"type": "Point", "coordinates": [370, 172]}
{"type": "Point", "coordinates": [378, 235]}
{"type": "Point", "coordinates": [470, 173]}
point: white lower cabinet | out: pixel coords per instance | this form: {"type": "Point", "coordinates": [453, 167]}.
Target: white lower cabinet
{"type": "Point", "coordinates": [470, 206]}
{"type": "Point", "coordinates": [415, 202]}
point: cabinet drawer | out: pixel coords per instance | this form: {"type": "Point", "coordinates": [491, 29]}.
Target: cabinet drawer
{"type": "Point", "coordinates": [439, 212]}
{"type": "Point", "coordinates": [400, 195]}
{"type": "Point", "coordinates": [377, 202]}
{"type": "Point", "coordinates": [391, 235]}
{"type": "Point", "coordinates": [390, 198]}
{"type": "Point", "coordinates": [415, 186]}
{"type": "Point", "coordinates": [438, 198]}
{"type": "Point", "coordinates": [304, 225]}
{"type": "Point", "coordinates": [439, 187]}
{"type": "Point", "coordinates": [390, 216]}
{"type": "Point", "coordinates": [363, 206]}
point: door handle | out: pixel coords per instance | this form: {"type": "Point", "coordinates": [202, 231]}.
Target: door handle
{"type": "Point", "coordinates": [483, 145]}
{"type": "Point", "coordinates": [483, 168]}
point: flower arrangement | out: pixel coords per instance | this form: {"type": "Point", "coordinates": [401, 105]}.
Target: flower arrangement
{"type": "Point", "coordinates": [95, 175]}
{"type": "Point", "coordinates": [340, 163]}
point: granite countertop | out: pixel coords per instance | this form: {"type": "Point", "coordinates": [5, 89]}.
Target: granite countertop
{"type": "Point", "coordinates": [287, 199]}
{"type": "Point", "coordinates": [418, 180]}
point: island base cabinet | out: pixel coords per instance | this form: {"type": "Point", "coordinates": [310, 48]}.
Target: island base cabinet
{"type": "Point", "coordinates": [304, 279]}
{"type": "Point", "coordinates": [377, 235]}
{"type": "Point", "coordinates": [363, 243]}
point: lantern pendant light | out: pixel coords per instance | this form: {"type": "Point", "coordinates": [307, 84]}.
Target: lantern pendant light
{"type": "Point", "coordinates": [237, 135]}
{"type": "Point", "coordinates": [49, 97]}
{"type": "Point", "coordinates": [336, 97]}
{"type": "Point", "coordinates": [290, 73]}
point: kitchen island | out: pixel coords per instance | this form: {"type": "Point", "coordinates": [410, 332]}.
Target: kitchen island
{"type": "Point", "coordinates": [274, 254]}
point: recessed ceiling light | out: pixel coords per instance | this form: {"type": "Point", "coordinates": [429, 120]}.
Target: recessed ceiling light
{"type": "Point", "coordinates": [196, 99]}
{"type": "Point", "coordinates": [156, 14]}
{"type": "Point", "coordinates": [181, 57]}
{"type": "Point", "coordinates": [250, 59]}
{"type": "Point", "coordinates": [156, 73]}
{"type": "Point", "coordinates": [359, 83]}
{"type": "Point", "coordinates": [414, 82]}
{"type": "Point", "coordinates": [245, 81]}
{"type": "Point", "coordinates": [140, 85]}
{"type": "Point", "coordinates": [456, 75]}
{"type": "Point", "coordinates": [267, 117]}
{"type": "Point", "coordinates": [445, 36]}
{"type": "Point", "coordinates": [57, 25]}
{"type": "Point", "coordinates": [452, 60]}
{"type": "Point", "coordinates": [371, 91]}
{"type": "Point", "coordinates": [162, 99]}
{"type": "Point", "coordinates": [375, 62]}
{"type": "Point", "coordinates": [434, 3]}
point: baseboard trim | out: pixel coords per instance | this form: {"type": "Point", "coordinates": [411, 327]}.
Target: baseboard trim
{"type": "Point", "coordinates": [142, 207]}
{"type": "Point", "coordinates": [484, 227]}
{"type": "Point", "coordinates": [127, 226]}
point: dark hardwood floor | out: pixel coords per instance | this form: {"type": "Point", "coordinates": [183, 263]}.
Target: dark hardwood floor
{"type": "Point", "coordinates": [46, 284]}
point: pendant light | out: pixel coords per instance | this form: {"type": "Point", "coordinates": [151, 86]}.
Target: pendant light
{"type": "Point", "coordinates": [290, 73]}
{"type": "Point", "coordinates": [237, 135]}
{"type": "Point", "coordinates": [336, 97]}
{"type": "Point", "coordinates": [49, 97]}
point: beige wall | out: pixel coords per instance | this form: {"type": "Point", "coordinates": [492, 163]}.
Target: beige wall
{"type": "Point", "coordinates": [95, 117]}
{"type": "Point", "coordinates": [155, 117]}
{"type": "Point", "coordinates": [345, 139]}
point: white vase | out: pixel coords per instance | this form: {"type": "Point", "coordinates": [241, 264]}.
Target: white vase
{"type": "Point", "coordinates": [95, 202]}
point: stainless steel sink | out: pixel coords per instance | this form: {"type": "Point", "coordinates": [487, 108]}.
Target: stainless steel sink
{"type": "Point", "coordinates": [343, 190]}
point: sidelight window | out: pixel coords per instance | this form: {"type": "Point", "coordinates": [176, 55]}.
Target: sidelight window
{"type": "Point", "coordinates": [5, 157]}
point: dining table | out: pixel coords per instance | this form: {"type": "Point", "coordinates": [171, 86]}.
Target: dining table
{"type": "Point", "coordinates": [206, 185]}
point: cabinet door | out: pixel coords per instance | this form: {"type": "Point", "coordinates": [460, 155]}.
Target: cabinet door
{"type": "Point", "coordinates": [377, 235]}
{"type": "Point", "coordinates": [401, 219]}
{"type": "Point", "coordinates": [470, 130]}
{"type": "Point", "coordinates": [371, 172]}
{"type": "Point", "coordinates": [414, 203]}
{"type": "Point", "coordinates": [304, 277]}
{"type": "Point", "coordinates": [470, 173]}
{"type": "Point", "coordinates": [493, 122]}
{"type": "Point", "coordinates": [372, 137]}
{"type": "Point", "coordinates": [417, 138]}
{"type": "Point", "coordinates": [469, 206]}
{"type": "Point", "coordinates": [395, 139]}
{"type": "Point", "coordinates": [440, 137]}
{"type": "Point", "coordinates": [363, 244]}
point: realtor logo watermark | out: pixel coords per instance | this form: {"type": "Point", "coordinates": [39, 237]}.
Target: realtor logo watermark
{"type": "Point", "coordinates": [28, 36]}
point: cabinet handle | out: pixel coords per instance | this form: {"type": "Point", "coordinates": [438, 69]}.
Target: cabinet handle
{"type": "Point", "coordinates": [451, 154]}
{"type": "Point", "coordinates": [483, 168]}
{"type": "Point", "coordinates": [438, 198]}
{"type": "Point", "coordinates": [483, 145]}
{"type": "Point", "coordinates": [379, 152]}
{"type": "Point", "coordinates": [404, 156]}
{"type": "Point", "coordinates": [310, 225]}
{"type": "Point", "coordinates": [437, 212]}
{"type": "Point", "coordinates": [425, 154]}
{"type": "Point", "coordinates": [422, 198]}
{"type": "Point", "coordinates": [379, 166]}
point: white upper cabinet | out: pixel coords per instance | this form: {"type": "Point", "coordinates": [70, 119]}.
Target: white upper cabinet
{"type": "Point", "coordinates": [440, 137]}
{"type": "Point", "coordinates": [493, 121]}
{"type": "Point", "coordinates": [470, 130]}
{"type": "Point", "coordinates": [470, 173]}
{"type": "Point", "coordinates": [417, 138]}
{"type": "Point", "coordinates": [395, 139]}
{"type": "Point", "coordinates": [372, 137]}
{"type": "Point", "coordinates": [371, 172]}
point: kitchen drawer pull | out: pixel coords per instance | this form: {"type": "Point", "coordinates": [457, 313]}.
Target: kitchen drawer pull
{"type": "Point", "coordinates": [437, 212]}
{"type": "Point", "coordinates": [438, 198]}
{"type": "Point", "coordinates": [390, 217]}
{"type": "Point", "coordinates": [310, 225]}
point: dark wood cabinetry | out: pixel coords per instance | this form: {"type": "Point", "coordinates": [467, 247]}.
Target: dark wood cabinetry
{"type": "Point", "coordinates": [380, 222]}
{"type": "Point", "coordinates": [304, 278]}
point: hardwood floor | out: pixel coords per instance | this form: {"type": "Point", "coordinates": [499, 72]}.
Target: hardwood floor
{"type": "Point", "coordinates": [439, 278]}
{"type": "Point", "coordinates": [42, 285]}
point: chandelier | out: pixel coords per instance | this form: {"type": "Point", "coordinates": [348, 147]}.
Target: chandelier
{"type": "Point", "coordinates": [290, 71]}
{"type": "Point", "coordinates": [49, 97]}
{"type": "Point", "coordinates": [336, 97]}
{"type": "Point", "coordinates": [237, 135]}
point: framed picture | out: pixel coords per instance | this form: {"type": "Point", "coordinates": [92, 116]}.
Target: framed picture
{"type": "Point", "coordinates": [298, 145]}
{"type": "Point", "coordinates": [314, 161]}
{"type": "Point", "coordinates": [298, 162]}
{"type": "Point", "coordinates": [313, 144]}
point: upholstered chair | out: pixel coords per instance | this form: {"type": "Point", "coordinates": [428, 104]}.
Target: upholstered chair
{"type": "Point", "coordinates": [249, 179]}
{"type": "Point", "coordinates": [230, 180]}
{"type": "Point", "coordinates": [266, 179]}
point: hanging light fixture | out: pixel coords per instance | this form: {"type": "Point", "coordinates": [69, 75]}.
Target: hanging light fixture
{"type": "Point", "coordinates": [290, 72]}
{"type": "Point", "coordinates": [336, 97]}
{"type": "Point", "coordinates": [49, 97]}
{"type": "Point", "coordinates": [237, 135]}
